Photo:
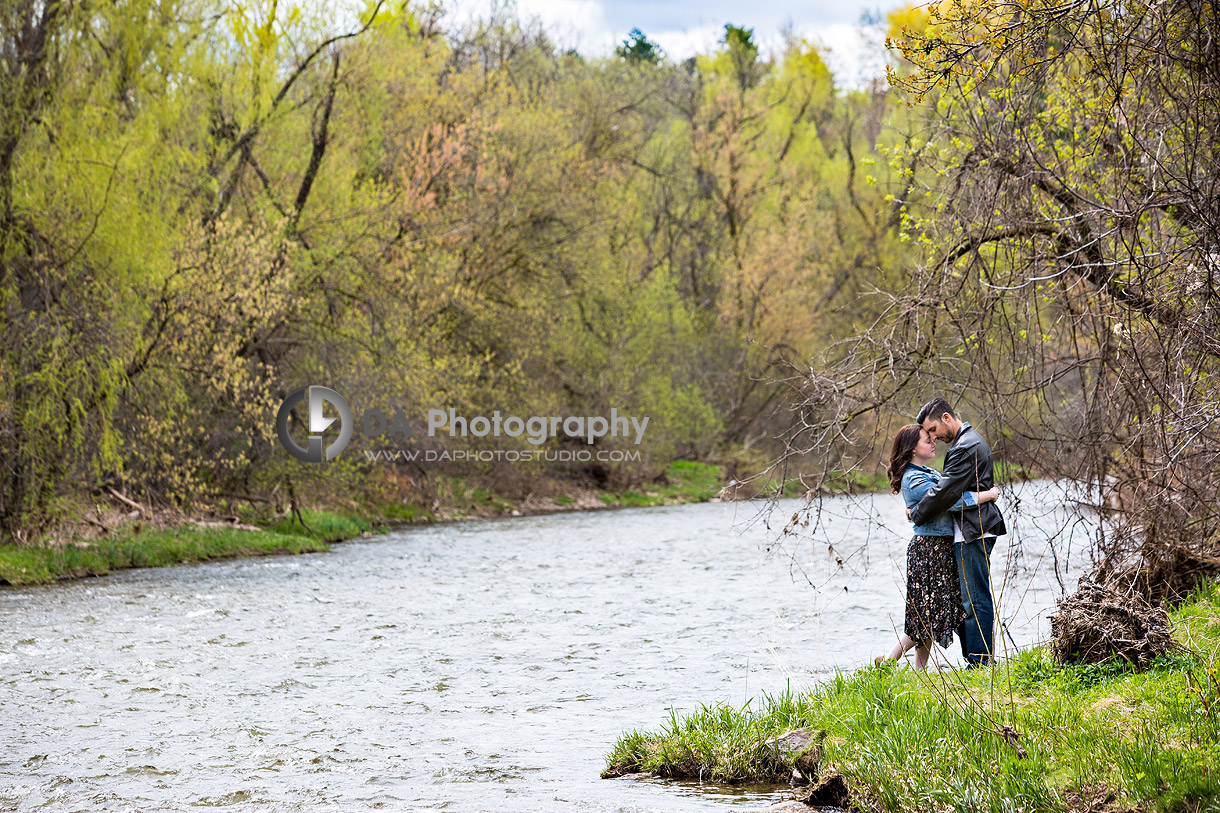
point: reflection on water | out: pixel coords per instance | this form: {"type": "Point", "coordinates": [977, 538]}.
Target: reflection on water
{"type": "Point", "coordinates": [473, 666]}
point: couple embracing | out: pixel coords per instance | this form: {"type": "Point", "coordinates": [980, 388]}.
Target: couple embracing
{"type": "Point", "coordinates": [956, 522]}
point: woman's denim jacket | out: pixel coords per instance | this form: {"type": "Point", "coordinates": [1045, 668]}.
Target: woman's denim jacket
{"type": "Point", "coordinates": [916, 481]}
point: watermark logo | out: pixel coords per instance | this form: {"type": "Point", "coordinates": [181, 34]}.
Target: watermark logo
{"type": "Point", "coordinates": [317, 396]}
{"type": "Point", "coordinates": [535, 430]}
{"type": "Point", "coordinates": [538, 429]}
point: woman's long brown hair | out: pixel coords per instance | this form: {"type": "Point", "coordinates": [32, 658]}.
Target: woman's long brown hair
{"type": "Point", "coordinates": [900, 454]}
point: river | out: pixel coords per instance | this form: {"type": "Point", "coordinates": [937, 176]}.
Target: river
{"type": "Point", "coordinates": [481, 665]}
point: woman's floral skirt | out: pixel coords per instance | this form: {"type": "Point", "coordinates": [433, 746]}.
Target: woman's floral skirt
{"type": "Point", "coordinates": [934, 601]}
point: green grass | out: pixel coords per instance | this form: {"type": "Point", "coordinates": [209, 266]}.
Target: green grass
{"type": "Point", "coordinates": [1005, 473]}
{"type": "Point", "coordinates": [404, 513]}
{"type": "Point", "coordinates": [630, 499]}
{"type": "Point", "coordinates": [146, 548]}
{"type": "Point", "coordinates": [322, 525]}
{"type": "Point", "coordinates": [464, 499]}
{"type": "Point", "coordinates": [685, 481]}
{"type": "Point", "coordinates": [912, 741]}
{"type": "Point", "coordinates": [137, 546]}
{"type": "Point", "coordinates": [692, 481]}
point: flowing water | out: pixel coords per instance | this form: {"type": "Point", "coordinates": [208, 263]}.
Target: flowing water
{"type": "Point", "coordinates": [482, 665]}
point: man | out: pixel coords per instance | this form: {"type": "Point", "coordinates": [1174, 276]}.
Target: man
{"type": "Point", "coordinates": [968, 467]}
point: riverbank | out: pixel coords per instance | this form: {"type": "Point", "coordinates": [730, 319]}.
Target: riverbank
{"type": "Point", "coordinates": [137, 544]}
{"type": "Point", "coordinates": [103, 544]}
{"type": "Point", "coordinates": [1027, 734]}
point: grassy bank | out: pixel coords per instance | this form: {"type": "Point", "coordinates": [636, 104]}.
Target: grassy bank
{"type": "Point", "coordinates": [684, 481]}
{"type": "Point", "coordinates": [137, 545]}
{"type": "Point", "coordinates": [1025, 735]}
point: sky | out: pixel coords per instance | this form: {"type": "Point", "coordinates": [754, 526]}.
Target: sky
{"type": "Point", "coordinates": [685, 27]}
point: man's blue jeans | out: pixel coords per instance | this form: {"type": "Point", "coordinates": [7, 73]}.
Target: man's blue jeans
{"type": "Point", "coordinates": [974, 579]}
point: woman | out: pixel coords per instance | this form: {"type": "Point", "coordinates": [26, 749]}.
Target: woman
{"type": "Point", "coordinates": [934, 600]}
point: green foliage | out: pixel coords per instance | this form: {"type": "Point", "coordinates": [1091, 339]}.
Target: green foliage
{"type": "Point", "coordinates": [905, 739]}
{"type": "Point", "coordinates": [147, 548]}
{"type": "Point", "coordinates": [694, 480]}
{"type": "Point", "coordinates": [683, 481]}
{"type": "Point", "coordinates": [743, 54]}
{"type": "Point", "coordinates": [405, 513]}
{"type": "Point", "coordinates": [1058, 197]}
{"type": "Point", "coordinates": [132, 545]}
{"type": "Point", "coordinates": [631, 499]}
{"type": "Point", "coordinates": [203, 208]}
{"type": "Point", "coordinates": [464, 499]}
{"type": "Point", "coordinates": [323, 525]}
{"type": "Point", "coordinates": [638, 48]}
{"type": "Point", "coordinates": [1005, 472]}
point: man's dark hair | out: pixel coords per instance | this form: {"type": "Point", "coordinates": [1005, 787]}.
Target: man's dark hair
{"type": "Point", "coordinates": [934, 408]}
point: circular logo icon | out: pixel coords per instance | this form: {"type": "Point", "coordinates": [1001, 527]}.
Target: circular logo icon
{"type": "Point", "coordinates": [317, 396]}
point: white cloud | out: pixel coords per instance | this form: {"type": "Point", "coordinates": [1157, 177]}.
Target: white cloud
{"type": "Point", "coordinates": [853, 52]}
{"type": "Point", "coordinates": [683, 44]}
{"type": "Point", "coordinates": [578, 24]}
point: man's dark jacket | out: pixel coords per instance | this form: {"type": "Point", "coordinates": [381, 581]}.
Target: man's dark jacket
{"type": "Point", "coordinates": [967, 468]}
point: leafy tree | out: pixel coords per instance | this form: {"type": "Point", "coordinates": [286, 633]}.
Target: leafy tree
{"type": "Point", "coordinates": [743, 55]}
{"type": "Point", "coordinates": [1066, 295]}
{"type": "Point", "coordinates": [639, 49]}
{"type": "Point", "coordinates": [204, 206]}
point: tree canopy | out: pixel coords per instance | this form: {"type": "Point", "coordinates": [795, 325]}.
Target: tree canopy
{"type": "Point", "coordinates": [205, 206]}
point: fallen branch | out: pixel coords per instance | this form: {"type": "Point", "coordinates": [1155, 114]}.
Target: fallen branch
{"type": "Point", "coordinates": [126, 500]}
{"type": "Point", "coordinates": [105, 528]}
